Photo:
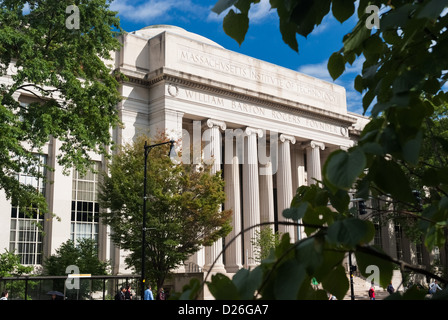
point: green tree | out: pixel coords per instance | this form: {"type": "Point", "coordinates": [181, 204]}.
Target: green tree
{"type": "Point", "coordinates": [183, 207]}
{"type": "Point", "coordinates": [10, 266]}
{"type": "Point", "coordinates": [83, 255]}
{"type": "Point", "coordinates": [64, 72]}
{"type": "Point", "coordinates": [264, 241]}
{"type": "Point", "coordinates": [401, 79]}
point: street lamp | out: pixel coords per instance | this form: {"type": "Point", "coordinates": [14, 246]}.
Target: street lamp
{"type": "Point", "coordinates": [172, 155]}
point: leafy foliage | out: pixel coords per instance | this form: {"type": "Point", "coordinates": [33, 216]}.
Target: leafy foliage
{"type": "Point", "coordinates": [72, 92]}
{"type": "Point", "coordinates": [183, 211]}
{"type": "Point", "coordinates": [402, 79]}
{"type": "Point", "coordinates": [83, 255]}
{"type": "Point", "coordinates": [10, 265]}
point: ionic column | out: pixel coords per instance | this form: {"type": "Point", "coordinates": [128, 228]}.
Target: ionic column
{"type": "Point", "coordinates": [214, 155]}
{"type": "Point", "coordinates": [298, 177]}
{"type": "Point", "coordinates": [284, 182]}
{"type": "Point", "coordinates": [251, 193]}
{"type": "Point", "coordinates": [266, 195]}
{"type": "Point", "coordinates": [314, 170]}
{"type": "Point", "coordinates": [233, 202]}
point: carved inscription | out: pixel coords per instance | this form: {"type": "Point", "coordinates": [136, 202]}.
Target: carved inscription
{"type": "Point", "coordinates": [254, 110]}
{"type": "Point", "coordinates": [251, 73]}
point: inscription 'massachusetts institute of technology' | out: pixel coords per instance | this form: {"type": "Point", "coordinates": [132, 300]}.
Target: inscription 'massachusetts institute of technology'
{"type": "Point", "coordinates": [250, 73]}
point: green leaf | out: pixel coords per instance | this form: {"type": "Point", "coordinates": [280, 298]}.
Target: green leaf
{"type": "Point", "coordinates": [372, 148]}
{"type": "Point", "coordinates": [336, 65]}
{"type": "Point", "coordinates": [288, 31]}
{"type": "Point", "coordinates": [289, 278]}
{"type": "Point", "coordinates": [190, 290]}
{"type": "Point", "coordinates": [295, 213]}
{"type": "Point", "coordinates": [284, 248]}
{"type": "Point", "coordinates": [389, 177]}
{"type": "Point", "coordinates": [355, 39]}
{"type": "Point", "coordinates": [340, 200]}
{"type": "Point", "coordinates": [336, 282]}
{"type": "Point", "coordinates": [342, 168]}
{"type": "Point", "coordinates": [222, 288]}
{"type": "Point", "coordinates": [351, 232]}
{"type": "Point", "coordinates": [358, 85]}
{"type": "Point", "coordinates": [309, 253]}
{"type": "Point", "coordinates": [247, 282]}
{"type": "Point", "coordinates": [343, 9]}
{"type": "Point", "coordinates": [222, 5]}
{"type": "Point", "coordinates": [236, 25]}
{"type": "Point", "coordinates": [433, 9]}
{"type": "Point", "coordinates": [411, 149]}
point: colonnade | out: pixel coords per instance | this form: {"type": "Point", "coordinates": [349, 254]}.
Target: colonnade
{"type": "Point", "coordinates": [256, 191]}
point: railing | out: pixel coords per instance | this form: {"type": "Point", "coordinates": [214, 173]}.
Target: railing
{"type": "Point", "coordinates": [67, 288]}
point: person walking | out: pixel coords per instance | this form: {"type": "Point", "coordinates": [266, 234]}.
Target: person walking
{"type": "Point", "coordinates": [390, 288]}
{"type": "Point", "coordinates": [372, 292]}
{"type": "Point", "coordinates": [128, 293]}
{"type": "Point", "coordinates": [148, 294]}
{"type": "Point", "coordinates": [121, 294]}
{"type": "Point", "coordinates": [433, 287]}
{"type": "Point", "coordinates": [4, 295]}
{"type": "Point", "coordinates": [161, 295]}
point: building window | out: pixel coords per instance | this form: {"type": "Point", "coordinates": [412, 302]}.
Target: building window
{"type": "Point", "coordinates": [419, 253]}
{"type": "Point", "coordinates": [85, 208]}
{"type": "Point", "coordinates": [25, 237]}
{"type": "Point", "coordinates": [378, 236]}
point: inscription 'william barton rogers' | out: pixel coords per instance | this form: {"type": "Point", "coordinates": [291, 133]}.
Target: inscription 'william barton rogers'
{"type": "Point", "coordinates": [261, 111]}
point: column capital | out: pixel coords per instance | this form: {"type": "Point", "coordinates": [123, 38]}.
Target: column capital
{"type": "Point", "coordinates": [287, 137]}
{"type": "Point", "coordinates": [216, 123]}
{"type": "Point", "coordinates": [249, 131]}
{"type": "Point", "coordinates": [314, 144]}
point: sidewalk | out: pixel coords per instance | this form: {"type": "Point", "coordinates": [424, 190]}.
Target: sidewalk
{"type": "Point", "coordinates": [380, 294]}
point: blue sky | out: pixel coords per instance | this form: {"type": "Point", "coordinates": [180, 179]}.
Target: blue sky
{"type": "Point", "coordinates": [263, 39]}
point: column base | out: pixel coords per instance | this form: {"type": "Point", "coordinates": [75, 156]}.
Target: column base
{"type": "Point", "coordinates": [233, 269]}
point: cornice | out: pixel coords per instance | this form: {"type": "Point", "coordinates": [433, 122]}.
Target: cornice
{"type": "Point", "coordinates": [219, 88]}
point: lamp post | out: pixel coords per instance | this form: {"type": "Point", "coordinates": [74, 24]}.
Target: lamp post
{"type": "Point", "coordinates": [148, 148]}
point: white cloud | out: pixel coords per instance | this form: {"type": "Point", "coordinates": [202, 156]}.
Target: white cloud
{"type": "Point", "coordinates": [318, 70]}
{"type": "Point", "coordinates": [261, 11]}
{"type": "Point", "coordinates": [143, 11]}
{"type": "Point", "coordinates": [148, 10]}
{"type": "Point", "coordinates": [258, 13]}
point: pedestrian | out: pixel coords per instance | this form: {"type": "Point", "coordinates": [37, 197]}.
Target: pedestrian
{"type": "Point", "coordinates": [4, 295]}
{"type": "Point", "coordinates": [161, 295]}
{"type": "Point", "coordinates": [121, 294]}
{"type": "Point", "coordinates": [128, 293]}
{"type": "Point", "coordinates": [331, 297]}
{"type": "Point", "coordinates": [148, 294]}
{"type": "Point", "coordinates": [390, 288]}
{"type": "Point", "coordinates": [314, 283]}
{"type": "Point", "coordinates": [433, 287]}
{"type": "Point", "coordinates": [372, 292]}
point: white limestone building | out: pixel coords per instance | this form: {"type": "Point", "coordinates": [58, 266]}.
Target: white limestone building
{"type": "Point", "coordinates": [268, 128]}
